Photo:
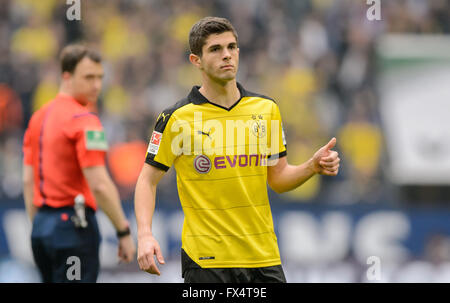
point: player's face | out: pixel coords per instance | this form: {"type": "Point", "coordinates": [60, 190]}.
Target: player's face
{"type": "Point", "coordinates": [86, 81]}
{"type": "Point", "coordinates": [220, 57]}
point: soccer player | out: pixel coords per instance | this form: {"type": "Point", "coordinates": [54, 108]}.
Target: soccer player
{"type": "Point", "coordinates": [226, 144]}
{"type": "Point", "coordinates": [64, 160]}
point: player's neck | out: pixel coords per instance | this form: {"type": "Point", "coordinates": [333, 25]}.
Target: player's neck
{"type": "Point", "coordinates": [223, 94]}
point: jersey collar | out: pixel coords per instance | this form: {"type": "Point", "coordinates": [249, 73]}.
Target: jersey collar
{"type": "Point", "coordinates": [197, 98]}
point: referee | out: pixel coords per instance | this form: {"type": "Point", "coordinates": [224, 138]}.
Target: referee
{"type": "Point", "coordinates": [64, 164]}
{"type": "Point", "coordinates": [226, 144]}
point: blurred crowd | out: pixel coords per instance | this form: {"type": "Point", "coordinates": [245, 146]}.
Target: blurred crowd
{"type": "Point", "coordinates": [316, 58]}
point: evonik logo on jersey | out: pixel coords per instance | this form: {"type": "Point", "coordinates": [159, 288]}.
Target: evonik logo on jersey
{"type": "Point", "coordinates": [240, 161]}
{"type": "Point", "coordinates": [203, 164]}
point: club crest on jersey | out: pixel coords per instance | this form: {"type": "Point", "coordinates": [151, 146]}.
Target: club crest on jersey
{"type": "Point", "coordinates": [202, 164]}
{"type": "Point", "coordinates": [155, 141]}
{"type": "Point", "coordinates": [258, 126]}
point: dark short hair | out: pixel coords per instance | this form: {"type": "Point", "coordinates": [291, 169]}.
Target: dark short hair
{"type": "Point", "coordinates": [201, 30]}
{"type": "Point", "coordinates": [71, 55]}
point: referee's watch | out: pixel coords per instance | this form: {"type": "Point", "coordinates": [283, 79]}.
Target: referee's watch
{"type": "Point", "coordinates": [124, 232]}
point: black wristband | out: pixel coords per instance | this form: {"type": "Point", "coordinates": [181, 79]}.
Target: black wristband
{"type": "Point", "coordinates": [123, 233]}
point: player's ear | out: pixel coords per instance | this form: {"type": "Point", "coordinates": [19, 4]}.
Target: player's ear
{"type": "Point", "coordinates": [196, 60]}
{"type": "Point", "coordinates": [66, 76]}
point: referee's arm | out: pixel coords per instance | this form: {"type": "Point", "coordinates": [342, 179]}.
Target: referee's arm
{"type": "Point", "coordinates": [107, 197]}
{"type": "Point", "coordinates": [28, 184]}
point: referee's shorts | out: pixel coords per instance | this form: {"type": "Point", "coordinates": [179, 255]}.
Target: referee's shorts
{"type": "Point", "coordinates": [193, 273]}
{"type": "Point", "coordinates": [54, 239]}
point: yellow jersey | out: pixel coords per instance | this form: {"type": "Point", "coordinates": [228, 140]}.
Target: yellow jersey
{"type": "Point", "coordinates": [221, 157]}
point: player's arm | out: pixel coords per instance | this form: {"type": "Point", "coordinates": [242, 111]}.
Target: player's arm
{"type": "Point", "coordinates": [144, 206]}
{"type": "Point", "coordinates": [28, 184]}
{"type": "Point", "coordinates": [27, 175]}
{"type": "Point", "coordinates": [107, 197]}
{"type": "Point", "coordinates": [284, 177]}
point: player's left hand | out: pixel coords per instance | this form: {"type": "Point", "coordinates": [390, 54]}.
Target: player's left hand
{"type": "Point", "coordinates": [326, 161]}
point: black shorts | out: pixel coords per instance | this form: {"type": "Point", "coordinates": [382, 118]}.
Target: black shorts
{"type": "Point", "coordinates": [55, 239]}
{"type": "Point", "coordinates": [193, 273]}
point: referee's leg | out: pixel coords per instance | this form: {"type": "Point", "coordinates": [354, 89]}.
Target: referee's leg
{"type": "Point", "coordinates": [76, 252]}
{"type": "Point", "coordinates": [42, 259]}
{"type": "Point", "coordinates": [39, 247]}
{"type": "Point", "coordinates": [76, 265]}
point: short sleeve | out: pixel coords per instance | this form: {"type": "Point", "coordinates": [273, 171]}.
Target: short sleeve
{"type": "Point", "coordinates": [278, 147]}
{"type": "Point", "coordinates": [27, 150]}
{"type": "Point", "coordinates": [161, 151]}
{"type": "Point", "coordinates": [90, 140]}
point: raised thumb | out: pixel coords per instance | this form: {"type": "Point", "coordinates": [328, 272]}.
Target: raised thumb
{"type": "Point", "coordinates": [331, 144]}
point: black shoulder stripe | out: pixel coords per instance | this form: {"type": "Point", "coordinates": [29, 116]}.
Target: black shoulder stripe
{"type": "Point", "coordinates": [277, 156]}
{"type": "Point", "coordinates": [151, 161]}
{"type": "Point", "coordinates": [252, 94]}
{"type": "Point", "coordinates": [164, 116]}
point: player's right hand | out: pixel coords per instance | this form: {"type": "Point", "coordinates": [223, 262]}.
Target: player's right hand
{"type": "Point", "coordinates": [148, 247]}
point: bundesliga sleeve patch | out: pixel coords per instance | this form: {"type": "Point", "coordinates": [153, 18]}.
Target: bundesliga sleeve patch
{"type": "Point", "coordinates": [155, 141]}
{"type": "Point", "coordinates": [95, 140]}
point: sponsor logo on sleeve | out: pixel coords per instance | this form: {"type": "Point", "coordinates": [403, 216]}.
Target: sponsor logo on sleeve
{"type": "Point", "coordinates": [95, 140]}
{"type": "Point", "coordinates": [155, 141]}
